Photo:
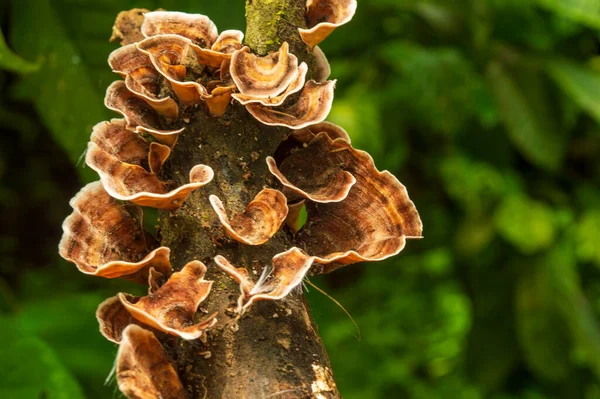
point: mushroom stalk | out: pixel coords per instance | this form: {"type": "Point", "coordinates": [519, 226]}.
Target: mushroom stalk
{"type": "Point", "coordinates": [274, 350]}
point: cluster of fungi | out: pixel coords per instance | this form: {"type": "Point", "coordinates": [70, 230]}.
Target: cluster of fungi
{"type": "Point", "coordinates": [175, 66]}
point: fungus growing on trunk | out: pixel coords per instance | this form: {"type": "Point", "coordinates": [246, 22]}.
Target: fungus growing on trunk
{"type": "Point", "coordinates": [179, 120]}
{"type": "Point", "coordinates": [143, 368]}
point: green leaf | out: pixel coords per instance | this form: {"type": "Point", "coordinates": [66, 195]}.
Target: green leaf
{"type": "Point", "coordinates": [528, 126]}
{"type": "Point", "coordinates": [586, 12]}
{"type": "Point", "coordinates": [63, 91]}
{"type": "Point", "coordinates": [544, 336]}
{"type": "Point", "coordinates": [527, 224]}
{"type": "Point", "coordinates": [11, 62]}
{"type": "Point", "coordinates": [580, 83]}
{"type": "Point", "coordinates": [69, 325]}
{"type": "Point", "coordinates": [31, 369]}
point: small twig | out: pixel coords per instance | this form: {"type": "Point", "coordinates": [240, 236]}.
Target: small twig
{"type": "Point", "coordinates": [359, 337]}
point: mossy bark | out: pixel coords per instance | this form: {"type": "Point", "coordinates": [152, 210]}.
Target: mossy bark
{"type": "Point", "coordinates": [274, 350]}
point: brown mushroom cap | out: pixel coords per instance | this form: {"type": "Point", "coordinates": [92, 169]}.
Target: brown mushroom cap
{"type": "Point", "coordinates": [128, 181]}
{"type": "Point", "coordinates": [171, 55]}
{"type": "Point", "coordinates": [172, 307]}
{"type": "Point", "coordinates": [143, 368]}
{"type": "Point", "coordinates": [229, 41]}
{"type": "Point", "coordinates": [370, 224]}
{"type": "Point", "coordinates": [323, 16]}
{"type": "Point", "coordinates": [259, 222]}
{"type": "Point", "coordinates": [105, 238]}
{"type": "Point", "coordinates": [323, 67]}
{"type": "Point", "coordinates": [142, 79]}
{"type": "Point", "coordinates": [305, 135]}
{"type": "Point", "coordinates": [219, 100]}
{"type": "Point", "coordinates": [312, 107]}
{"type": "Point", "coordinates": [318, 182]}
{"type": "Point", "coordinates": [113, 318]}
{"type": "Point", "coordinates": [138, 114]}
{"type": "Point", "coordinates": [263, 77]}
{"type": "Point", "coordinates": [294, 87]}
{"type": "Point", "coordinates": [287, 272]}
{"type": "Point", "coordinates": [196, 27]}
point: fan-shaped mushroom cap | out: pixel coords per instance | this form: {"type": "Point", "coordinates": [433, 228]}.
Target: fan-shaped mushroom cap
{"type": "Point", "coordinates": [323, 67]}
{"type": "Point", "coordinates": [114, 137]}
{"type": "Point", "coordinates": [319, 182]}
{"type": "Point", "coordinates": [296, 85]}
{"type": "Point", "coordinates": [370, 224]}
{"type": "Point", "coordinates": [105, 238]}
{"type": "Point", "coordinates": [288, 270]}
{"type": "Point", "coordinates": [170, 55]}
{"type": "Point", "coordinates": [130, 182]}
{"type": "Point", "coordinates": [305, 135]}
{"type": "Point", "coordinates": [323, 16]}
{"type": "Point", "coordinates": [263, 77]}
{"type": "Point", "coordinates": [196, 27]}
{"type": "Point", "coordinates": [259, 222]}
{"type": "Point", "coordinates": [228, 41]}
{"type": "Point", "coordinates": [312, 107]}
{"type": "Point", "coordinates": [172, 307]}
{"type": "Point", "coordinates": [142, 79]}
{"type": "Point", "coordinates": [219, 99]}
{"type": "Point", "coordinates": [138, 114]}
{"type": "Point", "coordinates": [143, 367]}
{"type": "Point", "coordinates": [113, 318]}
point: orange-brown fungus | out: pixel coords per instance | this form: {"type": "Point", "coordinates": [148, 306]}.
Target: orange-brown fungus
{"type": "Point", "coordinates": [139, 115]}
{"type": "Point", "coordinates": [287, 272]}
{"type": "Point", "coordinates": [306, 134]}
{"type": "Point", "coordinates": [323, 67]}
{"type": "Point", "coordinates": [143, 368]}
{"type": "Point", "coordinates": [323, 16]}
{"type": "Point", "coordinates": [312, 107]}
{"type": "Point", "coordinates": [263, 77]}
{"type": "Point", "coordinates": [103, 237]}
{"type": "Point", "coordinates": [296, 85]}
{"type": "Point", "coordinates": [370, 224]}
{"type": "Point", "coordinates": [196, 27]}
{"type": "Point", "coordinates": [142, 79]}
{"type": "Point", "coordinates": [319, 181]}
{"type": "Point", "coordinates": [259, 222]}
{"type": "Point", "coordinates": [171, 55]}
{"type": "Point", "coordinates": [113, 318]}
{"type": "Point", "coordinates": [228, 41]}
{"type": "Point", "coordinates": [128, 180]}
{"type": "Point", "coordinates": [172, 307]}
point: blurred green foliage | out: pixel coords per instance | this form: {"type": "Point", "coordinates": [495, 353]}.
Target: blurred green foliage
{"type": "Point", "coordinates": [487, 110]}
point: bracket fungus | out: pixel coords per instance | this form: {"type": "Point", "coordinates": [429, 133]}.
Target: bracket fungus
{"type": "Point", "coordinates": [179, 76]}
{"type": "Point", "coordinates": [286, 273]}
{"type": "Point", "coordinates": [105, 238]}
{"type": "Point", "coordinates": [259, 222]}
{"type": "Point", "coordinates": [323, 17]}
{"type": "Point", "coordinates": [143, 368]}
{"type": "Point", "coordinates": [124, 178]}
{"type": "Point", "coordinates": [172, 307]}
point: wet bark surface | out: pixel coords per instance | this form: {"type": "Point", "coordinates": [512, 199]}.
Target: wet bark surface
{"type": "Point", "coordinates": [274, 350]}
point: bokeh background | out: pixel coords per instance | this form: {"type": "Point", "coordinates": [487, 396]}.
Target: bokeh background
{"type": "Point", "coordinates": [487, 110]}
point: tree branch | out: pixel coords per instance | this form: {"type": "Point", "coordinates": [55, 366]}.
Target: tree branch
{"type": "Point", "coordinates": [273, 351]}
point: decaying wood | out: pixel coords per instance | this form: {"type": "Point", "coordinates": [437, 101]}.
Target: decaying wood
{"type": "Point", "coordinates": [274, 350]}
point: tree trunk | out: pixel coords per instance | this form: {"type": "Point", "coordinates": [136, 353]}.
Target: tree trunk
{"type": "Point", "coordinates": [274, 350]}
